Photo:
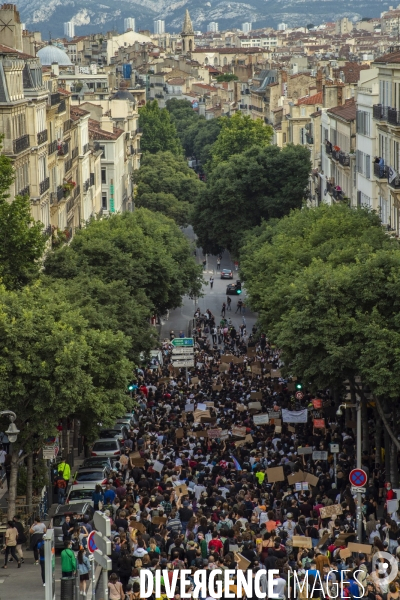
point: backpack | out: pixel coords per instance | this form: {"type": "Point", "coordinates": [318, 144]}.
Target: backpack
{"type": "Point", "coordinates": [76, 545]}
{"type": "Point", "coordinates": [61, 483]}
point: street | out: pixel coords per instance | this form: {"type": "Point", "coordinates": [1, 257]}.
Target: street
{"type": "Point", "coordinates": [180, 319]}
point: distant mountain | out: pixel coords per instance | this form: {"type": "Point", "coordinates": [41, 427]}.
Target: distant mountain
{"type": "Point", "coordinates": [91, 16]}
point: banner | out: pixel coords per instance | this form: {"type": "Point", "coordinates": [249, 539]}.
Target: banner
{"type": "Point", "coordinates": [294, 416]}
{"type": "Point", "coordinates": [392, 174]}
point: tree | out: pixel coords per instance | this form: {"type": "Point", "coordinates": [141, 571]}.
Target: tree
{"type": "Point", "coordinates": [261, 183]}
{"type": "Point", "coordinates": [167, 204]}
{"type": "Point", "coordinates": [227, 77]}
{"type": "Point", "coordinates": [22, 242]}
{"type": "Point", "coordinates": [144, 250]}
{"type": "Point", "coordinates": [238, 134]}
{"type": "Point", "coordinates": [53, 365]}
{"type": "Point", "coordinates": [159, 133]}
{"type": "Point", "coordinates": [164, 172]}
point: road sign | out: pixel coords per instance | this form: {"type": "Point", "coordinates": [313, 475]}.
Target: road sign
{"type": "Point", "coordinates": [299, 395]}
{"type": "Point", "coordinates": [334, 448]}
{"type": "Point", "coordinates": [183, 363]}
{"type": "Point", "coordinates": [182, 350]}
{"type": "Point", "coordinates": [103, 561]}
{"type": "Point", "coordinates": [102, 543]}
{"type": "Point", "coordinates": [358, 478]}
{"type": "Point", "coordinates": [91, 546]}
{"type": "Point", "coordinates": [188, 342]}
{"type": "Point", "coordinates": [102, 523]}
{"type": "Point", "coordinates": [358, 490]}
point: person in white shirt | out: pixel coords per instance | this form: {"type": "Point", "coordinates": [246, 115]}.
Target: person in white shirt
{"type": "Point", "coordinates": [279, 587]}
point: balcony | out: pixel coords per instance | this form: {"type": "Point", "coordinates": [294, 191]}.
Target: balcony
{"type": "Point", "coordinates": [75, 152]}
{"type": "Point", "coordinates": [309, 138]}
{"type": "Point", "coordinates": [62, 107]}
{"type": "Point", "coordinates": [330, 187]}
{"type": "Point", "coordinates": [67, 125]}
{"type": "Point", "coordinates": [21, 144]}
{"type": "Point", "coordinates": [379, 112]}
{"type": "Point", "coordinates": [328, 147]}
{"type": "Point", "coordinates": [68, 165]}
{"type": "Point", "coordinates": [139, 130]}
{"type": "Point", "coordinates": [44, 185]}
{"type": "Point", "coordinates": [52, 147]}
{"type": "Point", "coordinates": [394, 117]}
{"type": "Point", "coordinates": [25, 191]}
{"type": "Point", "coordinates": [394, 184]}
{"type": "Point", "coordinates": [53, 198]}
{"type": "Point", "coordinates": [42, 137]}
{"type": "Point", "coordinates": [335, 154]}
{"type": "Point", "coordinates": [70, 204]}
{"type": "Point", "coordinates": [77, 191]}
{"type": "Point", "coordinates": [338, 195]}
{"type": "Point", "coordinates": [85, 148]}
{"type": "Point", "coordinates": [86, 186]}
{"type": "Point", "coordinates": [62, 149]}
{"type": "Point", "coordinates": [344, 159]}
{"type": "Point", "coordinates": [60, 193]}
{"type": "Point", "coordinates": [54, 99]}
{"type": "Point", "coordinates": [380, 171]}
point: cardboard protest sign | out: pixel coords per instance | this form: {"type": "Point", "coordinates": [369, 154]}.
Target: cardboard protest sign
{"type": "Point", "coordinates": [243, 563]}
{"type": "Point", "coordinates": [241, 407]}
{"type": "Point", "coordinates": [300, 541]}
{"type": "Point", "coordinates": [256, 396]}
{"type": "Point", "coordinates": [255, 406]}
{"type": "Point", "coordinates": [275, 474]}
{"type": "Point", "coordinates": [392, 506]}
{"type": "Point", "coordinates": [237, 360]}
{"type": "Point", "coordinates": [364, 548]}
{"type": "Point", "coordinates": [181, 489]}
{"type": "Point", "coordinates": [261, 419]}
{"type": "Point", "coordinates": [179, 433]}
{"type": "Point", "coordinates": [217, 387]}
{"type": "Point", "coordinates": [202, 433]}
{"type": "Point", "coordinates": [251, 351]}
{"type": "Point", "coordinates": [158, 466]}
{"type": "Point", "coordinates": [248, 438]}
{"type": "Point", "coordinates": [344, 553]}
{"type": "Point", "coordinates": [319, 423]}
{"type": "Point", "coordinates": [214, 433]}
{"type": "Point", "coordinates": [226, 358]}
{"type": "Point", "coordinates": [274, 414]}
{"type": "Point", "coordinates": [239, 431]}
{"type": "Point", "coordinates": [189, 407]}
{"type": "Point", "coordinates": [256, 370]}
{"type": "Point", "coordinates": [209, 404]}
{"type": "Point", "coordinates": [323, 540]}
{"type": "Point", "coordinates": [211, 420]}
{"type": "Point", "coordinates": [317, 403]}
{"type": "Point", "coordinates": [276, 373]}
{"type": "Point", "coordinates": [195, 380]}
{"type": "Point", "coordinates": [320, 455]}
{"type": "Point", "coordinates": [291, 429]}
{"type": "Point", "coordinates": [291, 387]}
{"type": "Point", "coordinates": [295, 477]}
{"type": "Point", "coordinates": [330, 511]}
{"type": "Point", "coordinates": [138, 526]}
{"type": "Point", "coordinates": [278, 429]}
{"type": "Point", "coordinates": [277, 422]}
{"type": "Point", "coordinates": [164, 380]}
{"type": "Point", "coordinates": [159, 520]}
{"type": "Point", "coordinates": [223, 367]}
{"type": "Point", "coordinates": [304, 450]}
{"type": "Point", "coordinates": [138, 462]}
{"type": "Point", "coordinates": [240, 443]}
{"type": "Point", "coordinates": [134, 455]}
{"type": "Point", "coordinates": [341, 539]}
{"type": "Point", "coordinates": [201, 406]}
{"type": "Point", "coordinates": [311, 479]}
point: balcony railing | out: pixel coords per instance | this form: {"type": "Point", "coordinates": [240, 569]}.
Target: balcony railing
{"type": "Point", "coordinates": [344, 159]}
{"type": "Point", "coordinates": [330, 187]}
{"type": "Point", "coordinates": [335, 154]}
{"type": "Point", "coordinates": [21, 144]}
{"type": "Point", "coordinates": [380, 171]}
{"type": "Point", "coordinates": [62, 107]}
{"type": "Point", "coordinates": [393, 116]}
{"type": "Point", "coordinates": [63, 149]}
{"type": "Point", "coordinates": [53, 198]}
{"type": "Point", "coordinates": [309, 138]}
{"type": "Point", "coordinates": [77, 191]}
{"type": "Point", "coordinates": [338, 195]}
{"type": "Point", "coordinates": [54, 99]}
{"type": "Point", "coordinates": [380, 112]}
{"type": "Point", "coordinates": [44, 185]}
{"type": "Point", "coordinates": [67, 125]}
{"type": "Point", "coordinates": [60, 193]}
{"type": "Point", "coordinates": [75, 152]}
{"type": "Point", "coordinates": [85, 148]}
{"type": "Point", "coordinates": [68, 165]}
{"type": "Point", "coordinates": [86, 185]}
{"type": "Point", "coordinates": [52, 147]}
{"type": "Point", "coordinates": [42, 137]}
{"type": "Point", "coordinates": [25, 191]}
{"type": "Point", "coordinates": [139, 130]}
{"type": "Point", "coordinates": [395, 183]}
{"type": "Point", "coordinates": [70, 204]}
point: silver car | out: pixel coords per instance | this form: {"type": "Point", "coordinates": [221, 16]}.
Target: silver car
{"type": "Point", "coordinates": [92, 475]}
{"type": "Point", "coordinates": [106, 447]}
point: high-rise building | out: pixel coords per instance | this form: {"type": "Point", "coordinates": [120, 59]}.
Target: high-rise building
{"type": "Point", "coordinates": [69, 29]}
{"type": "Point", "coordinates": [159, 26]}
{"type": "Point", "coordinates": [129, 23]}
{"type": "Point", "coordinates": [246, 27]}
{"type": "Point", "coordinates": [213, 27]}
{"type": "Point", "coordinates": [282, 26]}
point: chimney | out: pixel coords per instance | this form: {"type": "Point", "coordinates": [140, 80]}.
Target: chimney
{"type": "Point", "coordinates": [55, 69]}
{"type": "Point", "coordinates": [107, 124]}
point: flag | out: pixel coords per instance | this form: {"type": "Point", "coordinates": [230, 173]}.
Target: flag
{"type": "Point", "coordinates": [392, 174]}
{"type": "Point", "coordinates": [235, 462]}
{"type": "Point", "coordinates": [294, 416]}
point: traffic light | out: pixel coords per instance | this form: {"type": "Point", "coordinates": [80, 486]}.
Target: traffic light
{"type": "Point", "coordinates": [238, 287]}
{"type": "Point", "coordinates": [299, 386]}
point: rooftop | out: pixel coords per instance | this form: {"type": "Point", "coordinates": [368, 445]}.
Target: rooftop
{"type": "Point", "coordinates": [346, 111]}
{"type": "Point", "coordinates": [315, 99]}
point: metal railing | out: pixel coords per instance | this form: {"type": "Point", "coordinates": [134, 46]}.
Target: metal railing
{"type": "Point", "coordinates": [77, 191]}
{"type": "Point", "coordinates": [42, 137]}
{"type": "Point", "coordinates": [68, 165]}
{"type": "Point", "coordinates": [393, 116]}
{"type": "Point", "coordinates": [63, 149]}
{"type": "Point", "coordinates": [380, 171]}
{"type": "Point", "coordinates": [344, 159]}
{"type": "Point", "coordinates": [44, 185]}
{"type": "Point", "coordinates": [335, 154]}
{"type": "Point", "coordinates": [395, 183]}
{"type": "Point", "coordinates": [62, 107]}
{"type": "Point", "coordinates": [67, 125]}
{"type": "Point", "coordinates": [338, 195]}
{"type": "Point", "coordinates": [53, 198]}
{"type": "Point", "coordinates": [70, 204]}
{"type": "Point", "coordinates": [60, 193]}
{"type": "Point", "coordinates": [54, 98]}
{"type": "Point", "coordinates": [328, 148]}
{"type": "Point", "coordinates": [21, 144]}
{"type": "Point", "coordinates": [330, 186]}
{"type": "Point", "coordinates": [75, 152]}
{"type": "Point", "coordinates": [52, 147]}
{"type": "Point", "coordinates": [25, 191]}
{"type": "Point", "coordinates": [380, 112]}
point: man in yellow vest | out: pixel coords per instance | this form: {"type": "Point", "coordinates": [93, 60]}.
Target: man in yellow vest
{"type": "Point", "coordinates": [64, 470]}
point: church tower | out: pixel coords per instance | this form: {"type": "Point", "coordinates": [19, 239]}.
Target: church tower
{"type": "Point", "coordinates": [187, 35]}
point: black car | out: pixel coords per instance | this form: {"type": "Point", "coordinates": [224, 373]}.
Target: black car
{"type": "Point", "coordinates": [234, 289]}
{"type": "Point", "coordinates": [226, 274]}
{"type": "Point", "coordinates": [97, 461]}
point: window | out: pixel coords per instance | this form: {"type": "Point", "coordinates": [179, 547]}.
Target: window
{"type": "Point", "coordinates": [104, 204]}
{"type": "Point", "coordinates": [103, 151]}
{"type": "Point", "coordinates": [103, 176]}
{"type": "Point", "coordinates": [384, 210]}
{"type": "Point", "coordinates": [42, 168]}
{"type": "Point", "coordinates": [363, 122]}
{"type": "Point", "coordinates": [367, 166]}
{"type": "Point", "coordinates": [284, 138]}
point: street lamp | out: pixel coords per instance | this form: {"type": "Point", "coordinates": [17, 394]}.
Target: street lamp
{"type": "Point", "coordinates": [12, 431]}
{"type": "Point", "coordinates": [339, 413]}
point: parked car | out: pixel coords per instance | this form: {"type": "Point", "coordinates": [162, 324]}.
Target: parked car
{"type": "Point", "coordinates": [127, 421]}
{"type": "Point", "coordinates": [92, 475]}
{"type": "Point", "coordinates": [81, 508]}
{"type": "Point", "coordinates": [119, 433]}
{"type": "Point", "coordinates": [106, 447]}
{"type": "Point", "coordinates": [226, 274]}
{"type": "Point", "coordinates": [81, 492]}
{"type": "Point", "coordinates": [97, 461]}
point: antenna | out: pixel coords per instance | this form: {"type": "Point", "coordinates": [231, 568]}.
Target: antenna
{"type": "Point", "coordinates": [49, 37]}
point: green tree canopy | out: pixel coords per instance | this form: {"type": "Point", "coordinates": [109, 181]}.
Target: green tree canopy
{"type": "Point", "coordinates": [145, 250]}
{"type": "Point", "coordinates": [238, 134]}
{"type": "Point", "coordinates": [262, 183]}
{"type": "Point", "coordinates": [167, 204]}
{"type": "Point", "coordinates": [22, 242]}
{"type": "Point", "coordinates": [227, 77]}
{"type": "Point", "coordinates": [159, 133]}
